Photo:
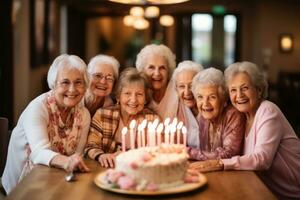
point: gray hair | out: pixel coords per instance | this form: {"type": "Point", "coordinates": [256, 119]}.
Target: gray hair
{"type": "Point", "coordinates": [155, 49]}
{"type": "Point", "coordinates": [66, 61]}
{"type": "Point", "coordinates": [104, 59]}
{"type": "Point", "coordinates": [130, 75]}
{"type": "Point", "coordinates": [186, 65]}
{"type": "Point", "coordinates": [210, 77]}
{"type": "Point", "coordinates": [257, 78]}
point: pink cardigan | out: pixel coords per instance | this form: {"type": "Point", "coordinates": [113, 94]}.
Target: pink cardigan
{"type": "Point", "coordinates": [273, 149]}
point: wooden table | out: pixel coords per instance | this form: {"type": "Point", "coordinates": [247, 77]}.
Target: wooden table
{"type": "Point", "coordinates": [45, 183]}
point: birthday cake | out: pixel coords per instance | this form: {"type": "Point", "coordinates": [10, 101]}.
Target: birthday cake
{"type": "Point", "coordinates": [150, 168]}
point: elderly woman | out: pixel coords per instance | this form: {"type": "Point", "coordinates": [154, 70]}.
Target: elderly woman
{"type": "Point", "coordinates": [221, 125]}
{"type": "Point", "coordinates": [158, 63]}
{"type": "Point", "coordinates": [271, 146]}
{"type": "Point", "coordinates": [53, 128]}
{"type": "Point", "coordinates": [186, 107]}
{"type": "Point", "coordinates": [103, 72]}
{"type": "Point", "coordinates": [104, 140]}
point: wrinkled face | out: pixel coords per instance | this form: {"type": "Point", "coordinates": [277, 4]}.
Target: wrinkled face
{"type": "Point", "coordinates": [102, 80]}
{"type": "Point", "coordinates": [243, 94]}
{"type": "Point", "coordinates": [157, 70]}
{"type": "Point", "coordinates": [69, 88]}
{"type": "Point", "coordinates": [132, 98]}
{"type": "Point", "coordinates": [209, 102]}
{"type": "Point", "coordinates": [183, 87]}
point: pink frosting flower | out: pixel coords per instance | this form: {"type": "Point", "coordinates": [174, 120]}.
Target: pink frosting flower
{"type": "Point", "coordinates": [191, 179]}
{"type": "Point", "coordinates": [126, 183]}
{"type": "Point", "coordinates": [113, 176]}
{"type": "Point", "coordinates": [151, 187]}
{"type": "Point", "coordinates": [134, 165]}
{"type": "Point", "coordinates": [146, 157]}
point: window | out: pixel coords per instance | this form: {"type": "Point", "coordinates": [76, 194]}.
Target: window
{"type": "Point", "coordinates": [202, 25]}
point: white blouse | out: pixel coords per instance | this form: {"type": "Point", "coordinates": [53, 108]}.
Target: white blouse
{"type": "Point", "coordinates": [32, 129]}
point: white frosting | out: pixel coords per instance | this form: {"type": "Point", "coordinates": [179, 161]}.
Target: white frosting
{"type": "Point", "coordinates": [164, 166]}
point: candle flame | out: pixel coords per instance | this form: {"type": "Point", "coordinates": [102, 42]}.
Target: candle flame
{"type": "Point", "coordinates": [175, 120]}
{"type": "Point", "coordinates": [179, 125]}
{"type": "Point", "coordinates": [132, 124]}
{"type": "Point", "coordinates": [173, 129]}
{"type": "Point", "coordinates": [184, 131]}
{"type": "Point", "coordinates": [160, 128]}
{"type": "Point", "coordinates": [167, 121]}
{"type": "Point", "coordinates": [167, 130]}
{"type": "Point", "coordinates": [143, 124]}
{"type": "Point", "coordinates": [155, 123]}
{"type": "Point", "coordinates": [124, 130]}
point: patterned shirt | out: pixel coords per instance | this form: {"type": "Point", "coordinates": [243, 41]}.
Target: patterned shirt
{"type": "Point", "coordinates": [104, 126]}
{"type": "Point", "coordinates": [225, 141]}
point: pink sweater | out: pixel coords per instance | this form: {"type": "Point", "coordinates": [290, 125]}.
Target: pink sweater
{"type": "Point", "coordinates": [273, 149]}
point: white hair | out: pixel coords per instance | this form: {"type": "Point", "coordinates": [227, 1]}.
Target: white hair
{"type": "Point", "coordinates": [104, 59]}
{"type": "Point", "coordinates": [186, 65]}
{"type": "Point", "coordinates": [209, 77]}
{"type": "Point", "coordinates": [257, 77]}
{"type": "Point", "coordinates": [66, 61]}
{"type": "Point", "coordinates": [155, 49]}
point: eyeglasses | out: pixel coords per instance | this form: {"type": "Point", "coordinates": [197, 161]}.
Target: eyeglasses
{"type": "Point", "coordinates": [183, 86]}
{"type": "Point", "coordinates": [66, 84]}
{"type": "Point", "coordinates": [99, 77]}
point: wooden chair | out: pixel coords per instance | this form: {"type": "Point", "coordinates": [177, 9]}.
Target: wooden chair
{"type": "Point", "coordinates": [4, 140]}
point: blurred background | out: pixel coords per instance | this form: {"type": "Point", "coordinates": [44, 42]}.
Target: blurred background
{"type": "Point", "coordinates": [214, 33]}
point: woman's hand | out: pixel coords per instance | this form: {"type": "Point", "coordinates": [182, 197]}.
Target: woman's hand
{"type": "Point", "coordinates": [107, 159]}
{"type": "Point", "coordinates": [75, 162]}
{"type": "Point", "coordinates": [207, 166]}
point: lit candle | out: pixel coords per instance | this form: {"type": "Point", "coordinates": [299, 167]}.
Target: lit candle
{"type": "Point", "coordinates": [155, 123]}
{"type": "Point", "coordinates": [174, 122]}
{"type": "Point", "coordinates": [143, 126]}
{"type": "Point", "coordinates": [149, 133]}
{"type": "Point", "coordinates": [179, 126]}
{"type": "Point", "coordinates": [159, 130]}
{"type": "Point", "coordinates": [172, 132]}
{"type": "Point", "coordinates": [184, 132]}
{"type": "Point", "coordinates": [132, 133]}
{"type": "Point", "coordinates": [124, 131]}
{"type": "Point", "coordinates": [167, 129]}
{"type": "Point", "coordinates": [139, 136]}
{"type": "Point", "coordinates": [167, 121]}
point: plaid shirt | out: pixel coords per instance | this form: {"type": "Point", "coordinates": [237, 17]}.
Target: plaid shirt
{"type": "Point", "coordinates": [103, 129]}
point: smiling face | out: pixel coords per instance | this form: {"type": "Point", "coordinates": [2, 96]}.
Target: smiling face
{"type": "Point", "coordinates": [157, 71]}
{"type": "Point", "coordinates": [132, 98]}
{"type": "Point", "coordinates": [183, 87]}
{"type": "Point", "coordinates": [209, 102]}
{"type": "Point", "coordinates": [102, 80]}
{"type": "Point", "coordinates": [243, 94]}
{"type": "Point", "coordinates": [69, 88]}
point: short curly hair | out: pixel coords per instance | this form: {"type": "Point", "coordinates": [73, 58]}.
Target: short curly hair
{"type": "Point", "coordinates": [208, 77]}
{"type": "Point", "coordinates": [104, 59]}
{"type": "Point", "coordinates": [131, 75]}
{"type": "Point", "coordinates": [156, 49]}
{"type": "Point", "coordinates": [66, 61]}
{"type": "Point", "coordinates": [251, 69]}
{"type": "Point", "coordinates": [186, 65]}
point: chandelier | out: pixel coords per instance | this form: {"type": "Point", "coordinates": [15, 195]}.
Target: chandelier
{"type": "Point", "coordinates": [142, 2]}
{"type": "Point", "coordinates": [137, 17]}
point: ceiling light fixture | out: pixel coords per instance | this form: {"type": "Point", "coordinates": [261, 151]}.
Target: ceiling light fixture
{"type": "Point", "coordinates": [142, 2]}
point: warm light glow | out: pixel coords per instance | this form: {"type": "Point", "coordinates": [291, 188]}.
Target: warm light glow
{"type": "Point", "coordinates": [128, 1]}
{"type": "Point", "coordinates": [151, 12]}
{"type": "Point", "coordinates": [166, 20]}
{"type": "Point", "coordinates": [140, 24]}
{"type": "Point", "coordinates": [148, 1]}
{"type": "Point", "coordinates": [286, 43]}
{"type": "Point", "coordinates": [136, 11]}
{"type": "Point", "coordinates": [166, 1]}
{"type": "Point", "coordinates": [128, 20]}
